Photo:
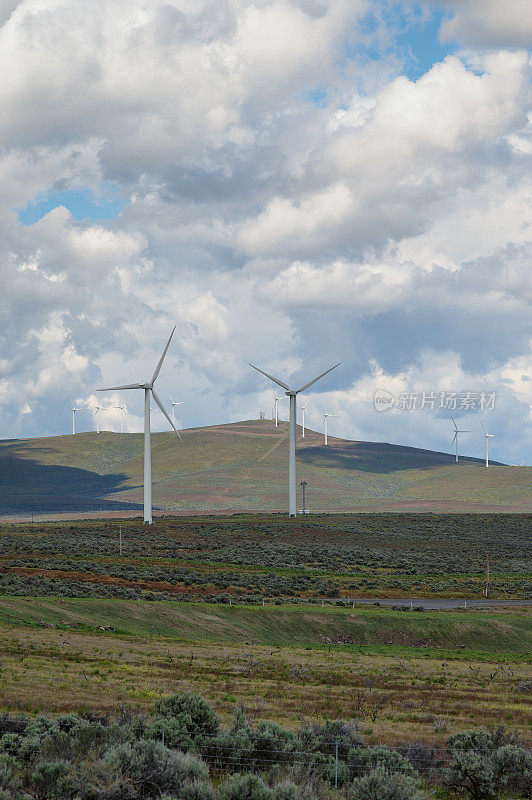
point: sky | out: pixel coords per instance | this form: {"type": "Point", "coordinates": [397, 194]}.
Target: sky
{"type": "Point", "coordinates": [290, 183]}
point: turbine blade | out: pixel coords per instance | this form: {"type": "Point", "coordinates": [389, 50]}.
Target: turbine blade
{"type": "Point", "coordinates": [159, 365]}
{"type": "Point", "coordinates": [119, 388]}
{"type": "Point", "coordinates": [483, 426]}
{"type": "Point", "coordinates": [157, 400]}
{"type": "Point", "coordinates": [454, 437]}
{"type": "Point", "coordinates": [317, 379]}
{"type": "Point", "coordinates": [455, 425]}
{"type": "Point", "coordinates": [275, 380]}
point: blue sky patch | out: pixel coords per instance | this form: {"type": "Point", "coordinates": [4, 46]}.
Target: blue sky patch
{"type": "Point", "coordinates": [408, 33]}
{"type": "Point", "coordinates": [82, 204]}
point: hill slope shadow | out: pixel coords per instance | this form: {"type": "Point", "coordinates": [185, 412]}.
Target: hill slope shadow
{"type": "Point", "coordinates": [27, 484]}
{"type": "Point", "coordinates": [375, 457]}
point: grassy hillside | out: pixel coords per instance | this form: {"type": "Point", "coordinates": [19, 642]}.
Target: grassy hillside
{"type": "Point", "coordinates": [480, 634]}
{"type": "Point", "coordinates": [243, 466]}
{"type": "Point", "coordinates": [403, 676]}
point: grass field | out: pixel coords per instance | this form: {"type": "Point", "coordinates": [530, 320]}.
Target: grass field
{"type": "Point", "coordinates": [403, 676]}
{"type": "Point", "coordinates": [243, 466]}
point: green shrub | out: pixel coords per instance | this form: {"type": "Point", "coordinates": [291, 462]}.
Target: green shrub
{"type": "Point", "coordinates": [324, 737]}
{"type": "Point", "coordinates": [513, 768]}
{"type": "Point", "coordinates": [189, 712]}
{"type": "Point", "coordinates": [195, 790]}
{"type": "Point", "coordinates": [10, 783]}
{"type": "Point", "coordinates": [286, 790]}
{"type": "Point", "coordinates": [472, 773]}
{"type": "Point", "coordinates": [384, 758]}
{"type": "Point", "coordinates": [246, 787]}
{"type": "Point", "coordinates": [153, 768]}
{"type": "Point", "coordinates": [51, 781]}
{"type": "Point", "coordinates": [379, 784]}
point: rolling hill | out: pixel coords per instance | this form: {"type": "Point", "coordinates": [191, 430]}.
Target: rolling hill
{"type": "Point", "coordinates": [243, 466]}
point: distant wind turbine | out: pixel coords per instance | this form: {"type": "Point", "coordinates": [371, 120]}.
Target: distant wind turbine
{"type": "Point", "coordinates": [307, 413]}
{"type": "Point", "coordinates": [325, 415]}
{"type": "Point", "coordinates": [74, 410]}
{"type": "Point", "coordinates": [276, 406]}
{"type": "Point", "coordinates": [455, 437]}
{"type": "Point", "coordinates": [123, 411]}
{"type": "Point", "coordinates": [487, 437]}
{"type": "Point", "coordinates": [149, 392]}
{"type": "Point", "coordinates": [292, 394]}
{"type": "Point", "coordinates": [174, 403]}
{"type": "Point", "coordinates": [97, 410]}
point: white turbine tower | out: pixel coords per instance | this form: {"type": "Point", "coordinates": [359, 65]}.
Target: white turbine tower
{"type": "Point", "coordinates": [123, 411]}
{"type": "Point", "coordinates": [276, 406]}
{"type": "Point", "coordinates": [149, 392]}
{"type": "Point", "coordinates": [97, 410]}
{"type": "Point", "coordinates": [174, 403]}
{"type": "Point", "coordinates": [455, 437]}
{"type": "Point", "coordinates": [487, 437]}
{"type": "Point", "coordinates": [325, 415]}
{"type": "Point", "coordinates": [307, 413]}
{"type": "Point", "coordinates": [74, 410]}
{"type": "Point", "coordinates": [292, 393]}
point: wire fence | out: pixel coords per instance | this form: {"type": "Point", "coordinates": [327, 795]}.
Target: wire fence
{"type": "Point", "coordinates": [251, 755]}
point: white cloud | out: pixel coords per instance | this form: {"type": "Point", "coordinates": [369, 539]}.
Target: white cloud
{"type": "Point", "coordinates": [387, 226]}
{"type": "Point", "coordinates": [490, 23]}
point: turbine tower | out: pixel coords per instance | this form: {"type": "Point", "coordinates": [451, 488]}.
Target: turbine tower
{"type": "Point", "coordinates": [174, 403]}
{"type": "Point", "coordinates": [123, 412]}
{"type": "Point", "coordinates": [149, 392]}
{"type": "Point", "coordinates": [276, 406]}
{"type": "Point", "coordinates": [97, 410]}
{"type": "Point", "coordinates": [307, 413]}
{"type": "Point", "coordinates": [325, 415]}
{"type": "Point", "coordinates": [292, 393]}
{"type": "Point", "coordinates": [487, 437]}
{"type": "Point", "coordinates": [455, 437]}
{"type": "Point", "coordinates": [74, 409]}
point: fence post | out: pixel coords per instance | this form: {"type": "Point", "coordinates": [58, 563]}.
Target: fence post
{"type": "Point", "coordinates": [336, 767]}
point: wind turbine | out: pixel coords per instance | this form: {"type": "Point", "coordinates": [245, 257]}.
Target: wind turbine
{"type": "Point", "coordinates": [174, 403]}
{"type": "Point", "coordinates": [123, 412]}
{"type": "Point", "coordinates": [455, 437]}
{"type": "Point", "coordinates": [304, 411]}
{"type": "Point", "coordinates": [276, 405]}
{"type": "Point", "coordinates": [97, 410]}
{"type": "Point", "coordinates": [325, 415]}
{"type": "Point", "coordinates": [292, 393]}
{"type": "Point", "coordinates": [149, 392]}
{"type": "Point", "coordinates": [487, 437]}
{"type": "Point", "coordinates": [74, 409]}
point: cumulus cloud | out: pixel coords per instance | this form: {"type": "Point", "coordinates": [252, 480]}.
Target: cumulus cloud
{"type": "Point", "coordinates": [275, 210]}
{"type": "Point", "coordinates": [488, 24]}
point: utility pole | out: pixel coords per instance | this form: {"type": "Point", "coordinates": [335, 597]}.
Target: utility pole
{"type": "Point", "coordinates": [303, 485]}
{"type": "Point", "coordinates": [120, 534]}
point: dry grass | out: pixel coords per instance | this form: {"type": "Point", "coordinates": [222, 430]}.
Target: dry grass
{"type": "Point", "coordinates": [395, 699]}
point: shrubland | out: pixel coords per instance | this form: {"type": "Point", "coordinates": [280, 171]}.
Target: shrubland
{"type": "Point", "coordinates": [183, 750]}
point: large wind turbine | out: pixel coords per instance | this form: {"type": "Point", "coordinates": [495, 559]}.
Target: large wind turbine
{"type": "Point", "coordinates": [174, 403]}
{"type": "Point", "coordinates": [325, 415]}
{"type": "Point", "coordinates": [487, 437]}
{"type": "Point", "coordinates": [455, 437]}
{"type": "Point", "coordinates": [149, 392]}
{"type": "Point", "coordinates": [292, 393]}
{"type": "Point", "coordinates": [74, 409]}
